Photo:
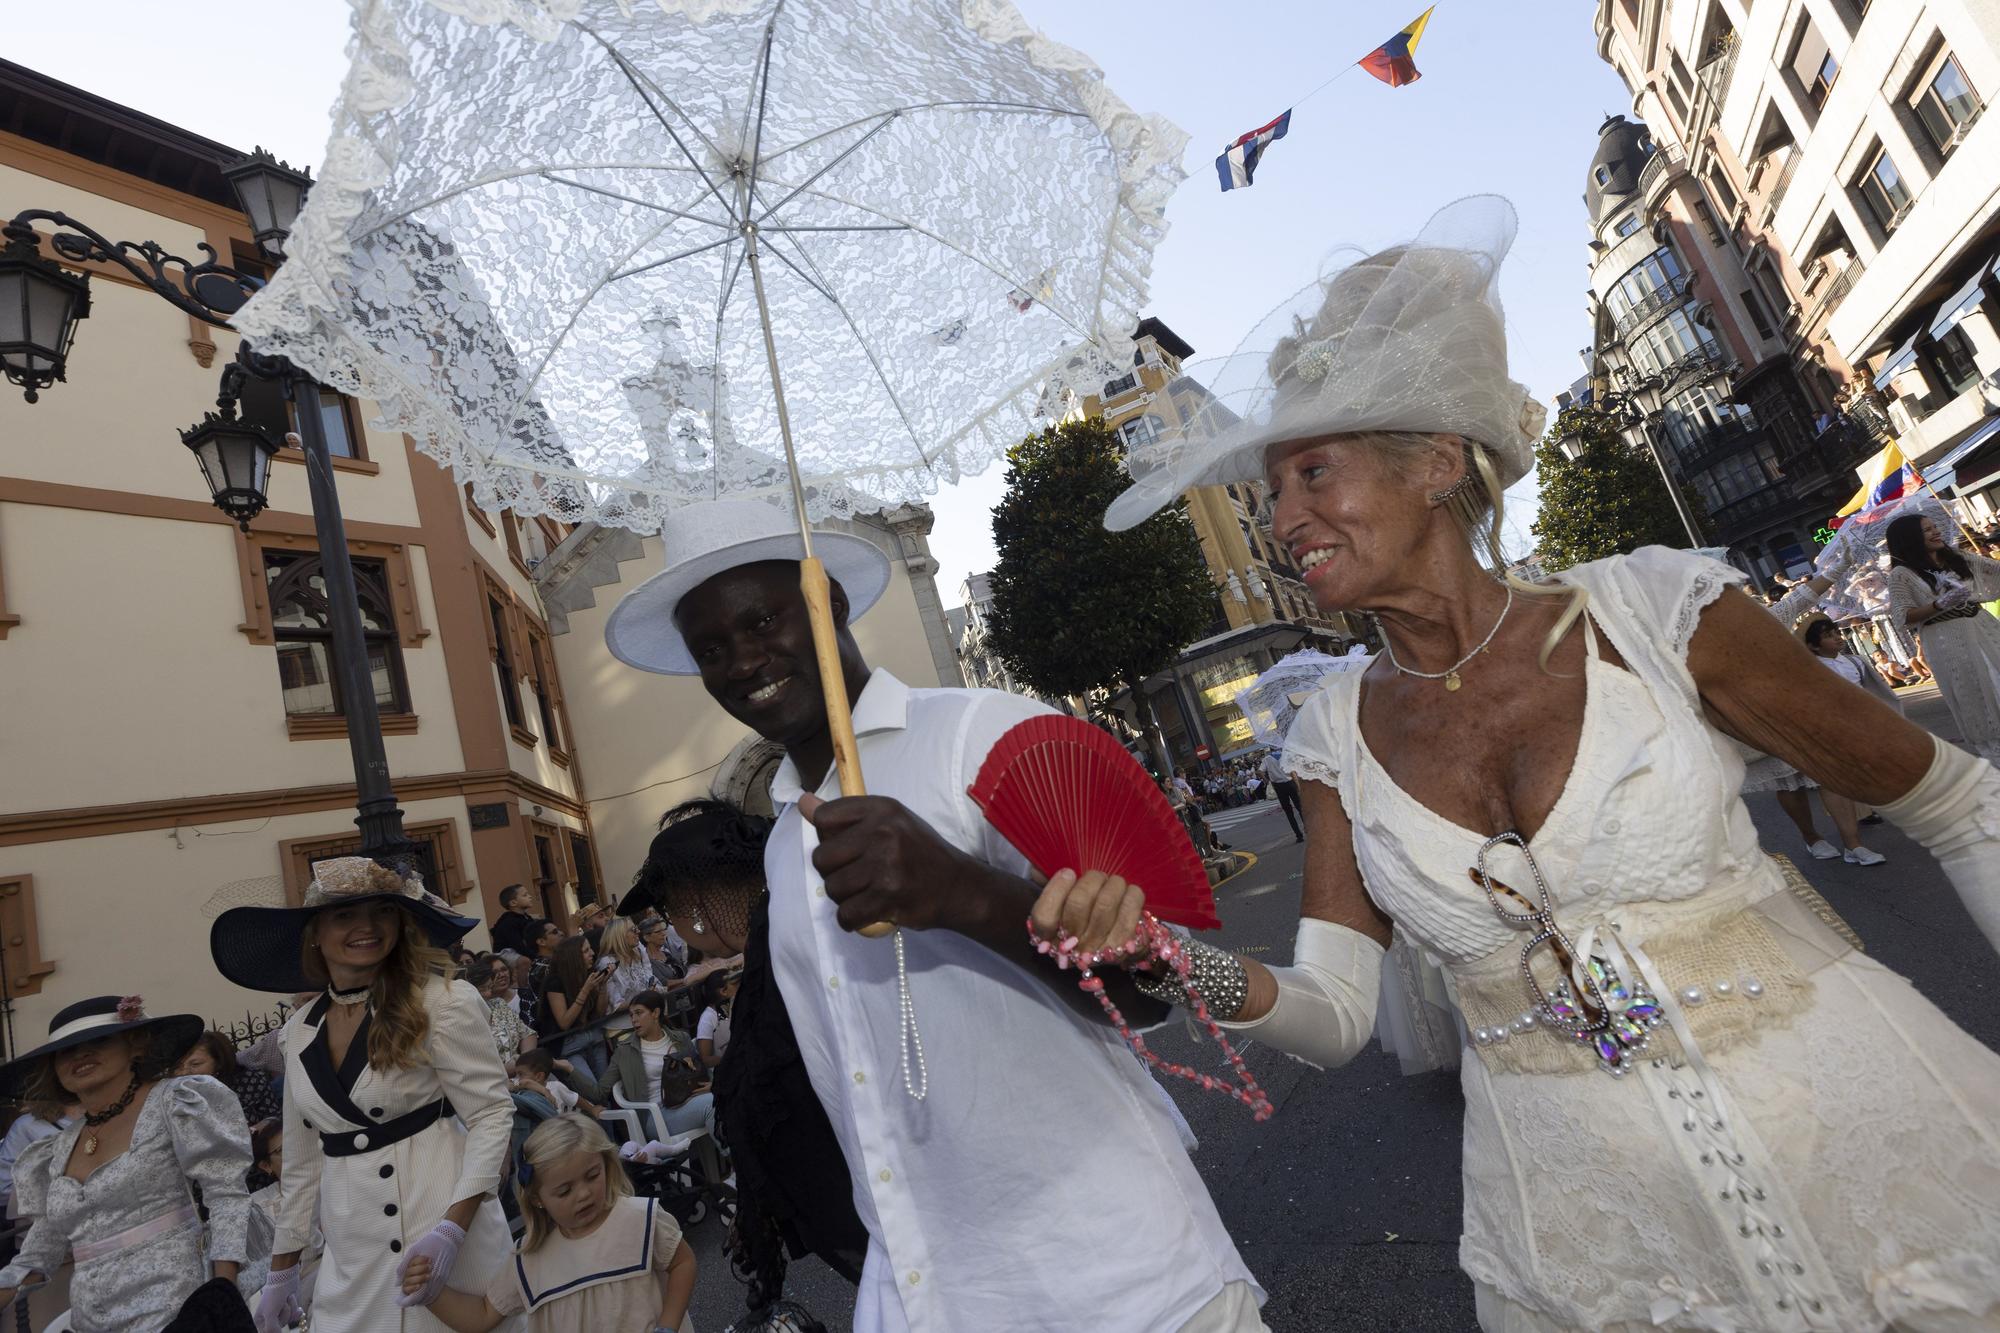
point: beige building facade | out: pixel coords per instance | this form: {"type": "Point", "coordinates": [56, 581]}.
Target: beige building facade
{"type": "Point", "coordinates": [174, 738]}
{"type": "Point", "coordinates": [1841, 149]}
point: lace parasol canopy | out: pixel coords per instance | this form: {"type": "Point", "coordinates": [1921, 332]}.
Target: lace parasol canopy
{"type": "Point", "coordinates": [527, 244]}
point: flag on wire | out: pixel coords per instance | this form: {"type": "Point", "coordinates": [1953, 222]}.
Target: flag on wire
{"type": "Point", "coordinates": [1394, 61]}
{"type": "Point", "coordinates": [1238, 164]}
{"type": "Point", "coordinates": [1885, 479]}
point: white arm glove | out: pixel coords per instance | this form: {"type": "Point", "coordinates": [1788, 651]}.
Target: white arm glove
{"type": "Point", "coordinates": [1955, 813]}
{"type": "Point", "coordinates": [1325, 1011]}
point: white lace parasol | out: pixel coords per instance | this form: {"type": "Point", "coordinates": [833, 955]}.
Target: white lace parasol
{"type": "Point", "coordinates": [528, 241]}
{"type": "Point", "coordinates": [1270, 702]}
{"type": "Point", "coordinates": [1857, 559]}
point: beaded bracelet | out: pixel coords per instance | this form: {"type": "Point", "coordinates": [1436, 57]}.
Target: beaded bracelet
{"type": "Point", "coordinates": [1155, 943]}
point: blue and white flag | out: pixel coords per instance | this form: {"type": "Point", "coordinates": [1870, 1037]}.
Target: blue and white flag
{"type": "Point", "coordinates": [1238, 164]}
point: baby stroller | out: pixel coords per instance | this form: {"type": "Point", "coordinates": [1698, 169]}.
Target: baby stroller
{"type": "Point", "coordinates": [686, 1172]}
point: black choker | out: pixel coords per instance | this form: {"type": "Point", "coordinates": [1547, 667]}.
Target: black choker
{"type": "Point", "coordinates": [108, 1114]}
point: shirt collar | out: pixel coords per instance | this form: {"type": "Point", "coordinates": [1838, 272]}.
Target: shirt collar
{"type": "Point", "coordinates": [884, 705]}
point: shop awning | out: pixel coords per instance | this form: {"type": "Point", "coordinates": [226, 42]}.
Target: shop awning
{"type": "Point", "coordinates": [1958, 305]}
{"type": "Point", "coordinates": [1944, 472]}
{"type": "Point", "coordinates": [1899, 361]}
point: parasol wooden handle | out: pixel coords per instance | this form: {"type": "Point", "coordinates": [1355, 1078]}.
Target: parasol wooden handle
{"type": "Point", "coordinates": [833, 680]}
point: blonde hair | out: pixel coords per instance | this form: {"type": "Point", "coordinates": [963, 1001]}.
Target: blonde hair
{"type": "Point", "coordinates": [620, 940]}
{"type": "Point", "coordinates": [1477, 509]}
{"type": "Point", "coordinates": [551, 1141]}
{"type": "Point", "coordinates": [399, 1021]}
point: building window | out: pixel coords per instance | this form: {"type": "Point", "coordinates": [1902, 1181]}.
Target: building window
{"type": "Point", "coordinates": [263, 403]}
{"type": "Point", "coordinates": [1946, 105]}
{"type": "Point", "coordinates": [1123, 384]}
{"type": "Point", "coordinates": [1626, 225]}
{"type": "Point", "coordinates": [301, 623]}
{"type": "Point", "coordinates": [1708, 222]}
{"type": "Point", "coordinates": [435, 857]}
{"type": "Point", "coordinates": [1141, 431]}
{"type": "Point", "coordinates": [1953, 353]}
{"type": "Point", "coordinates": [1882, 188]}
{"type": "Point", "coordinates": [584, 862]}
{"type": "Point", "coordinates": [1758, 319]}
{"type": "Point", "coordinates": [541, 661]}
{"type": "Point", "coordinates": [1603, 175]}
{"type": "Point", "coordinates": [1813, 64]}
{"type": "Point", "coordinates": [1724, 192]}
{"type": "Point", "coordinates": [503, 662]}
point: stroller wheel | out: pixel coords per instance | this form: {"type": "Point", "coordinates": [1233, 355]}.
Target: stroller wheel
{"type": "Point", "coordinates": [725, 1210]}
{"type": "Point", "coordinates": [697, 1212]}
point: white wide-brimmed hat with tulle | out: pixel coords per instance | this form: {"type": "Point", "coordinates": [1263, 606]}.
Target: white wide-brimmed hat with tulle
{"type": "Point", "coordinates": [1410, 338]}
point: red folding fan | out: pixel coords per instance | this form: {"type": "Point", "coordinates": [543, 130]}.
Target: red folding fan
{"type": "Point", "coordinates": [1068, 796]}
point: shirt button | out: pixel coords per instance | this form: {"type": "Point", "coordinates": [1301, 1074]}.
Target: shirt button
{"type": "Point", "coordinates": [1613, 825]}
{"type": "Point", "coordinates": [833, 983]}
{"type": "Point", "coordinates": [883, 1175]}
{"type": "Point", "coordinates": [915, 1277]}
{"type": "Point", "coordinates": [395, 1247]}
{"type": "Point", "coordinates": [860, 1077]}
{"type": "Point", "coordinates": [376, 1111]}
{"type": "Point", "coordinates": [360, 1142]}
{"type": "Point", "coordinates": [387, 1171]}
{"type": "Point", "coordinates": [389, 1210]}
{"type": "Point", "coordinates": [819, 891]}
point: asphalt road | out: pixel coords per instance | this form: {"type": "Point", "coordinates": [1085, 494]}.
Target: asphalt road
{"type": "Point", "coordinates": [1346, 1203]}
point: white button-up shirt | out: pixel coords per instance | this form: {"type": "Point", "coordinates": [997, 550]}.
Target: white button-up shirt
{"type": "Point", "coordinates": [1042, 1184]}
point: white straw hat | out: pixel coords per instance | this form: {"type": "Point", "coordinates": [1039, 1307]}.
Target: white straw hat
{"type": "Point", "coordinates": [703, 540]}
{"type": "Point", "coordinates": [1410, 338]}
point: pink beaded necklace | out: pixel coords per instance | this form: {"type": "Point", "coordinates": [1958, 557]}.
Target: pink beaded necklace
{"type": "Point", "coordinates": [1153, 941]}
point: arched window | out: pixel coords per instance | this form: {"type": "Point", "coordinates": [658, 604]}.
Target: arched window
{"type": "Point", "coordinates": [1604, 175]}
{"type": "Point", "coordinates": [1141, 431]}
{"type": "Point", "coordinates": [302, 623]}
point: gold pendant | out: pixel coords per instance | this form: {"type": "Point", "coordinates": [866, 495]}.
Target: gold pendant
{"type": "Point", "coordinates": [90, 1145]}
{"type": "Point", "coordinates": [1451, 680]}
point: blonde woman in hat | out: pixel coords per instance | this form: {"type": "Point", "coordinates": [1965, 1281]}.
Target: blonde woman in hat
{"type": "Point", "coordinates": [396, 1114]}
{"type": "Point", "coordinates": [1698, 1108]}
{"type": "Point", "coordinates": [114, 1191]}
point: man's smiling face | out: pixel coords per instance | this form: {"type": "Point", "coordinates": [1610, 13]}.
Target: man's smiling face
{"type": "Point", "coordinates": [748, 631]}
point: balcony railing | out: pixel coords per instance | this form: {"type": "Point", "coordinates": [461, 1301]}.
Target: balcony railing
{"type": "Point", "coordinates": [1834, 293]}
{"type": "Point", "coordinates": [1776, 196]}
{"type": "Point", "coordinates": [1714, 71]}
{"type": "Point", "coordinates": [1714, 443]}
{"type": "Point", "coordinates": [1651, 304]}
{"type": "Point", "coordinates": [1665, 160]}
{"type": "Point", "coordinates": [1696, 366]}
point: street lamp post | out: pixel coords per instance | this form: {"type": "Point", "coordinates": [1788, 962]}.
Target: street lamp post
{"type": "Point", "coordinates": [40, 305]}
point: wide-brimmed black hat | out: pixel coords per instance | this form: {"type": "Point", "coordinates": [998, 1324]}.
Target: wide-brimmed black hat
{"type": "Point", "coordinates": [94, 1020]}
{"type": "Point", "coordinates": [258, 947]}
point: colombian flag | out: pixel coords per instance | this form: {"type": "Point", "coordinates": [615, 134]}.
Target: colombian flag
{"type": "Point", "coordinates": [1394, 61]}
{"type": "Point", "coordinates": [1885, 479]}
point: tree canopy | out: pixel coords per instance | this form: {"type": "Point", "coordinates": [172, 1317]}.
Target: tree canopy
{"type": "Point", "coordinates": [1609, 500]}
{"type": "Point", "coordinates": [1076, 607]}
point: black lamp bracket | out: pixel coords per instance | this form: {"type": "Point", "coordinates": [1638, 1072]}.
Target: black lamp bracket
{"type": "Point", "coordinates": [210, 290]}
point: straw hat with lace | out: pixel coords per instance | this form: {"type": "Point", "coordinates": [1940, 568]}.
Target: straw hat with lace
{"type": "Point", "coordinates": [258, 947]}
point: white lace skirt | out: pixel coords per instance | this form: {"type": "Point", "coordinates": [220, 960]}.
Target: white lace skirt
{"type": "Point", "coordinates": [1862, 1191]}
{"type": "Point", "coordinates": [1766, 772]}
{"type": "Point", "coordinates": [1964, 656]}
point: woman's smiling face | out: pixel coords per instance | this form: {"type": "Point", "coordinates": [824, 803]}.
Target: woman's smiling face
{"type": "Point", "coordinates": [1346, 517]}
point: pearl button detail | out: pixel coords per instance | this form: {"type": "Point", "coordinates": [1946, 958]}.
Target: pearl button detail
{"type": "Point", "coordinates": [1753, 988]}
{"type": "Point", "coordinates": [860, 1077]}
{"type": "Point", "coordinates": [1692, 995]}
{"type": "Point", "coordinates": [360, 1142]}
{"type": "Point", "coordinates": [833, 983]}
{"type": "Point", "coordinates": [1613, 825]}
{"type": "Point", "coordinates": [883, 1175]}
{"type": "Point", "coordinates": [1725, 988]}
{"type": "Point", "coordinates": [915, 1278]}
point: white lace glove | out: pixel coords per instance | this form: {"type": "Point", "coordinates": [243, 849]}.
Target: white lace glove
{"type": "Point", "coordinates": [1326, 1003]}
{"type": "Point", "coordinates": [439, 1245]}
{"type": "Point", "coordinates": [1955, 813]}
{"type": "Point", "coordinates": [278, 1305]}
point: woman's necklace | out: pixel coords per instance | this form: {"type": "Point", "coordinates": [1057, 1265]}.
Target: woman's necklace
{"type": "Point", "coordinates": [359, 995]}
{"type": "Point", "coordinates": [95, 1118]}
{"type": "Point", "coordinates": [1450, 674]}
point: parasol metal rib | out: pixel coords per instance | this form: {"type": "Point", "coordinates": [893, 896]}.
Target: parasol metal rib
{"type": "Point", "coordinates": [1023, 107]}
{"type": "Point", "coordinates": [838, 158]}
{"type": "Point", "coordinates": [786, 231]}
{"type": "Point", "coordinates": [672, 259]}
{"type": "Point", "coordinates": [725, 223]}
{"type": "Point", "coordinates": [638, 82]}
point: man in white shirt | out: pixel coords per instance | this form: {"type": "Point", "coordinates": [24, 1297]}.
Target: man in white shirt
{"type": "Point", "coordinates": [1015, 1167]}
{"type": "Point", "coordinates": [1287, 789]}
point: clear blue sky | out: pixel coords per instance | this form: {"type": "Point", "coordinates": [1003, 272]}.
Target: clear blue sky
{"type": "Point", "coordinates": [1509, 103]}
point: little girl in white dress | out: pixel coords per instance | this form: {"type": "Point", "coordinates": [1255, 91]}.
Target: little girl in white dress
{"type": "Point", "coordinates": [594, 1256]}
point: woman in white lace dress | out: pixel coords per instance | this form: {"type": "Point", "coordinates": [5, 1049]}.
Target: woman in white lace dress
{"type": "Point", "coordinates": [1689, 1104]}
{"type": "Point", "coordinates": [1936, 591]}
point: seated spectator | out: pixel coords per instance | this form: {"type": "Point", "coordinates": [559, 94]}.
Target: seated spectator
{"type": "Point", "coordinates": [654, 1063]}
{"type": "Point", "coordinates": [1893, 671]}
{"type": "Point", "coordinates": [215, 1055]}
{"type": "Point", "coordinates": [37, 1121]}
{"type": "Point", "coordinates": [511, 1033]}
{"type": "Point", "coordinates": [711, 1037]}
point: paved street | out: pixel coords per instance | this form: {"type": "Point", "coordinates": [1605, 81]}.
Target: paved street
{"type": "Point", "coordinates": [1346, 1203]}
